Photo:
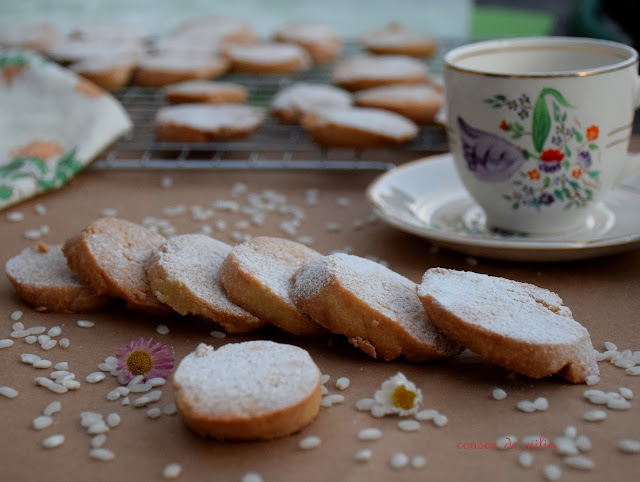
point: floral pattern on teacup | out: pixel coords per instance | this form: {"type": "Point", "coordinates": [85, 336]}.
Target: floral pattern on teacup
{"type": "Point", "coordinates": [561, 168]}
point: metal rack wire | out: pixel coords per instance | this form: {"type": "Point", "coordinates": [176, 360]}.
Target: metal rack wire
{"type": "Point", "coordinates": [272, 146]}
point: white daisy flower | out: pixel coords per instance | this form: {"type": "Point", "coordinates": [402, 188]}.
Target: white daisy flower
{"type": "Point", "coordinates": [399, 395]}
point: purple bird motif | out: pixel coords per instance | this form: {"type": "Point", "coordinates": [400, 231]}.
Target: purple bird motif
{"type": "Point", "coordinates": [490, 158]}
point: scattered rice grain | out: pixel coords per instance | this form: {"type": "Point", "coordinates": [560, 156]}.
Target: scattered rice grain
{"type": "Point", "coordinates": [610, 346]}
{"type": "Point", "coordinates": [499, 394]}
{"type": "Point", "coordinates": [95, 377]}
{"type": "Point", "coordinates": [525, 459]}
{"type": "Point", "coordinates": [310, 442]}
{"type": "Point", "coordinates": [172, 471]}
{"type": "Point", "coordinates": [418, 461]}
{"type": "Point", "coordinates": [113, 420]}
{"type": "Point", "coordinates": [594, 415]}
{"type": "Point", "coordinates": [626, 392]}
{"type": "Point", "coordinates": [102, 454]}
{"type": "Point", "coordinates": [85, 323]}
{"type": "Point", "coordinates": [619, 404]}
{"type": "Point", "coordinates": [53, 407]}
{"type": "Point", "coordinates": [54, 331]}
{"type": "Point", "coordinates": [97, 428]}
{"type": "Point", "coordinates": [8, 392]}
{"type": "Point", "coordinates": [409, 425]}
{"type": "Point", "coordinates": [41, 422]}
{"type": "Point", "coordinates": [6, 343]}
{"type": "Point", "coordinates": [15, 316]}
{"type": "Point", "coordinates": [365, 404]}
{"type": "Point", "coordinates": [583, 443]}
{"type": "Point", "coordinates": [63, 365]}
{"type": "Point", "coordinates": [162, 329]}
{"type": "Point", "coordinates": [53, 441]}
{"type": "Point", "coordinates": [31, 339]}
{"type": "Point", "coordinates": [399, 460]}
{"type": "Point", "coordinates": [427, 414]}
{"type": "Point", "coordinates": [154, 412]}
{"type": "Point", "coordinates": [42, 364]}
{"type": "Point", "coordinates": [526, 406]}
{"type": "Point", "coordinates": [440, 420]}
{"type": "Point", "coordinates": [169, 409]}
{"type": "Point", "coordinates": [343, 383]}
{"type": "Point", "coordinates": [15, 216]}
{"type": "Point", "coordinates": [218, 334]}
{"type": "Point", "coordinates": [370, 433]}
{"type": "Point", "coordinates": [64, 342]}
{"type": "Point", "coordinates": [579, 462]}
{"type": "Point", "coordinates": [552, 472]}
{"type": "Point", "coordinates": [98, 440]}
{"type": "Point", "coordinates": [363, 455]}
{"type": "Point", "coordinates": [592, 379]}
{"type": "Point", "coordinates": [252, 477]}
{"type": "Point", "coordinates": [629, 446]}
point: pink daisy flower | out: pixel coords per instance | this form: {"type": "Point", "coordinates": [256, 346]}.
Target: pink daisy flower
{"type": "Point", "coordinates": [145, 357]}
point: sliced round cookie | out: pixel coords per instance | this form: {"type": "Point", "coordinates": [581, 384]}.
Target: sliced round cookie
{"type": "Point", "coordinates": [109, 255]}
{"type": "Point", "coordinates": [206, 92]}
{"type": "Point", "coordinates": [158, 71]}
{"type": "Point", "coordinates": [290, 103]}
{"type": "Point", "coordinates": [218, 27]}
{"type": "Point", "coordinates": [376, 308]}
{"type": "Point", "coordinates": [396, 40]}
{"type": "Point", "coordinates": [268, 58]}
{"type": "Point", "coordinates": [320, 41]}
{"type": "Point", "coordinates": [184, 273]}
{"type": "Point", "coordinates": [256, 390]}
{"type": "Point", "coordinates": [77, 50]}
{"type": "Point", "coordinates": [257, 276]}
{"type": "Point", "coordinates": [418, 102]}
{"type": "Point", "coordinates": [358, 127]}
{"type": "Point", "coordinates": [522, 327]}
{"type": "Point", "coordinates": [107, 72]}
{"type": "Point", "coordinates": [37, 36]}
{"type": "Point", "coordinates": [206, 122]}
{"type": "Point", "coordinates": [367, 71]}
{"type": "Point", "coordinates": [42, 279]}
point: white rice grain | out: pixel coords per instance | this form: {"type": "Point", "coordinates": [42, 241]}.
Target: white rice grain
{"type": "Point", "coordinates": [378, 411]}
{"type": "Point", "coordinates": [409, 425]}
{"type": "Point", "coordinates": [19, 333]}
{"type": "Point", "coordinates": [154, 412]}
{"type": "Point", "coordinates": [399, 460]}
{"type": "Point", "coordinates": [428, 414]}
{"type": "Point", "coordinates": [98, 440]}
{"type": "Point", "coordinates": [97, 428]}
{"type": "Point", "coordinates": [42, 364]}
{"type": "Point", "coordinates": [629, 446]}
{"type": "Point", "coordinates": [95, 377]}
{"type": "Point", "coordinates": [102, 454]}
{"type": "Point", "coordinates": [169, 409]}
{"type": "Point", "coordinates": [310, 442]}
{"type": "Point", "coordinates": [53, 407]}
{"type": "Point", "coordinates": [633, 370]}
{"type": "Point", "coordinates": [343, 383]}
{"type": "Point", "coordinates": [123, 391]}
{"type": "Point", "coordinates": [8, 392]}
{"type": "Point", "coordinates": [172, 471]}
{"type": "Point", "coordinates": [418, 461]}
{"type": "Point", "coordinates": [594, 415]}
{"type": "Point", "coordinates": [579, 462]}
{"type": "Point", "coordinates": [619, 404]}
{"type": "Point", "coordinates": [36, 330]}
{"type": "Point", "coordinates": [370, 433]}
{"type": "Point", "coordinates": [592, 379]}
{"type": "Point", "coordinates": [440, 420]}
{"type": "Point", "coordinates": [363, 455]}
{"type": "Point", "coordinates": [29, 358]}
{"type": "Point", "coordinates": [552, 472]}
{"type": "Point", "coordinates": [499, 394]}
{"type": "Point", "coordinates": [42, 422]}
{"type": "Point", "coordinates": [6, 343]}
{"type": "Point", "coordinates": [63, 365]}
{"type": "Point", "coordinates": [113, 395]}
{"type": "Point", "coordinates": [571, 432]}
{"type": "Point", "coordinates": [64, 342]}
{"type": "Point", "coordinates": [365, 404]}
{"type": "Point", "coordinates": [610, 346]}
{"type": "Point", "coordinates": [40, 209]}
{"type": "Point", "coordinates": [334, 398]}
{"type": "Point", "coordinates": [31, 339]}
{"type": "Point", "coordinates": [156, 382]}
{"type": "Point", "coordinates": [565, 446]}
{"type": "Point", "coordinates": [54, 331]}
{"type": "Point", "coordinates": [53, 441]}
{"type": "Point", "coordinates": [85, 323]}
{"type": "Point", "coordinates": [15, 316]}
{"type": "Point", "coordinates": [627, 393]}
{"type": "Point", "coordinates": [218, 334]}
{"type": "Point", "coordinates": [113, 420]}
{"type": "Point", "coordinates": [49, 344]}
{"type": "Point", "coordinates": [541, 404]}
{"type": "Point", "coordinates": [139, 387]}
{"type": "Point", "coordinates": [525, 459]}
{"type": "Point", "coordinates": [583, 443]}
{"type": "Point", "coordinates": [252, 477]}
{"type": "Point", "coordinates": [526, 406]}
{"type": "Point", "coordinates": [162, 329]}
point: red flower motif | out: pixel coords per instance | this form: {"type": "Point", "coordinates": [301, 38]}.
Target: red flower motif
{"type": "Point", "coordinates": [551, 155]}
{"type": "Point", "coordinates": [504, 126]}
{"type": "Point", "coordinates": [534, 174]}
{"type": "Point", "coordinates": [592, 133]}
{"type": "Point", "coordinates": [576, 173]}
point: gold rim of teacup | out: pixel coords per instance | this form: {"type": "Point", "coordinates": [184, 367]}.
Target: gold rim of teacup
{"type": "Point", "coordinates": [557, 43]}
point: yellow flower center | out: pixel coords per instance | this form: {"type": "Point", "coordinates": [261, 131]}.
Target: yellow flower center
{"type": "Point", "coordinates": [139, 362]}
{"type": "Point", "coordinates": [403, 398]}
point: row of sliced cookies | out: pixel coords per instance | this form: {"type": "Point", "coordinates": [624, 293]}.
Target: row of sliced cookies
{"type": "Point", "coordinates": [276, 281]}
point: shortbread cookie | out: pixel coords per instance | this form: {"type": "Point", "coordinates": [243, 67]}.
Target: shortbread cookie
{"type": "Point", "coordinates": [290, 103]}
{"type": "Point", "coordinates": [109, 255]}
{"type": "Point", "coordinates": [516, 325]}
{"type": "Point", "coordinates": [38, 37]}
{"type": "Point", "coordinates": [358, 127]}
{"type": "Point", "coordinates": [273, 58]}
{"type": "Point", "coordinates": [43, 279]}
{"type": "Point", "coordinates": [207, 92]}
{"type": "Point", "coordinates": [206, 122]}
{"type": "Point", "coordinates": [396, 40]}
{"type": "Point", "coordinates": [184, 273]}
{"type": "Point", "coordinates": [376, 308]}
{"type": "Point", "coordinates": [256, 390]}
{"type": "Point", "coordinates": [364, 72]}
{"type": "Point", "coordinates": [418, 102]}
{"type": "Point", "coordinates": [257, 276]}
{"type": "Point", "coordinates": [321, 42]}
{"type": "Point", "coordinates": [216, 27]}
{"type": "Point", "coordinates": [107, 72]}
{"type": "Point", "coordinates": [111, 31]}
{"type": "Point", "coordinates": [158, 71]}
{"type": "Point", "coordinates": [76, 50]}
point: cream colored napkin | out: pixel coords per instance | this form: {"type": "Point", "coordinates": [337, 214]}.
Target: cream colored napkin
{"type": "Point", "coordinates": [52, 124]}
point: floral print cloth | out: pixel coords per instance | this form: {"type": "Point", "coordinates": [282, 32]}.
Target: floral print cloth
{"type": "Point", "coordinates": [52, 124]}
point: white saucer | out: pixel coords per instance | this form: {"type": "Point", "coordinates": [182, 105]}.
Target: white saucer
{"type": "Point", "coordinates": [426, 198]}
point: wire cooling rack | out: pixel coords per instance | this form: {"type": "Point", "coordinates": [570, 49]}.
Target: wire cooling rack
{"type": "Point", "coordinates": [272, 146]}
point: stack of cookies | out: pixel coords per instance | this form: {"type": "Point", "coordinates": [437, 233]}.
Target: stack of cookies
{"type": "Point", "coordinates": [275, 281]}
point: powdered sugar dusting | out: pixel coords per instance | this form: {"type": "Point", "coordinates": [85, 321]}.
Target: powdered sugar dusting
{"type": "Point", "coordinates": [415, 92]}
{"type": "Point", "coordinates": [370, 120]}
{"type": "Point", "coordinates": [211, 117]}
{"type": "Point", "coordinates": [247, 379]}
{"type": "Point", "coordinates": [269, 53]}
{"type": "Point", "coordinates": [305, 96]}
{"type": "Point", "coordinates": [520, 311]}
{"type": "Point", "coordinates": [379, 67]}
{"type": "Point", "coordinates": [42, 269]}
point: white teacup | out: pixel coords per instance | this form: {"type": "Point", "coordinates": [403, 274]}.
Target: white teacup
{"type": "Point", "coordinates": [539, 127]}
